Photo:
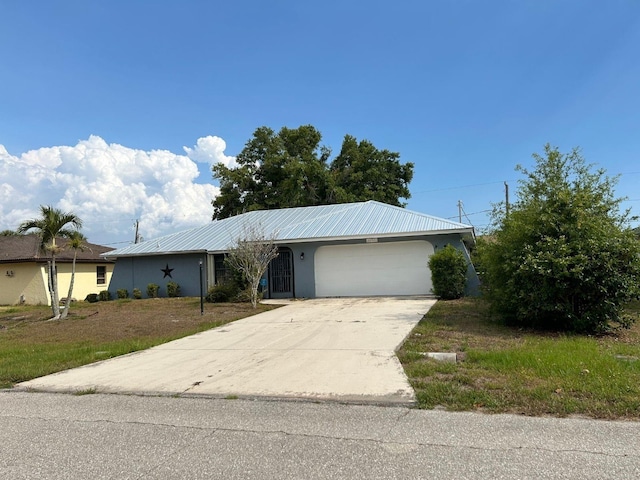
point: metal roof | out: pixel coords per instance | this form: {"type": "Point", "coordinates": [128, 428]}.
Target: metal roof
{"type": "Point", "coordinates": [300, 224]}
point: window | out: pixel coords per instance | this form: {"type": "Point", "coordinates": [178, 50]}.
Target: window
{"type": "Point", "coordinates": [101, 275]}
{"type": "Point", "coordinates": [221, 272]}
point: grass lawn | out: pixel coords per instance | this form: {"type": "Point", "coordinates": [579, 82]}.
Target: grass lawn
{"type": "Point", "coordinates": [31, 346]}
{"type": "Point", "coordinates": [503, 369]}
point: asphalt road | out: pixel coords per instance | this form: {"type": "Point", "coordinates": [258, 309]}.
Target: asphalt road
{"type": "Point", "coordinates": [101, 436]}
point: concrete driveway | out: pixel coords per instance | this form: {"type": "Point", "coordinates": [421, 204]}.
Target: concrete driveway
{"type": "Point", "coordinates": [332, 349]}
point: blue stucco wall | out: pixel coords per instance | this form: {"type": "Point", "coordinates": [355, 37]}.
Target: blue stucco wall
{"type": "Point", "coordinates": [304, 273]}
{"type": "Point", "coordinates": [138, 272]}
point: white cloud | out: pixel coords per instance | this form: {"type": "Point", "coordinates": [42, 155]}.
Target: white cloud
{"type": "Point", "coordinates": [210, 150]}
{"type": "Point", "coordinates": [109, 186]}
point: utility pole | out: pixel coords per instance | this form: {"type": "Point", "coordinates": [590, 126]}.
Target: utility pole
{"type": "Point", "coordinates": [459, 211]}
{"type": "Point", "coordinates": [137, 237]}
{"type": "Point", "coordinates": [506, 198]}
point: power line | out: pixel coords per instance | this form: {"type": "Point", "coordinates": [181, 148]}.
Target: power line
{"type": "Point", "coordinates": [469, 214]}
{"type": "Point", "coordinates": [456, 188]}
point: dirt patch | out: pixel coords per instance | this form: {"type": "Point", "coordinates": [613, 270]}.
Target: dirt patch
{"type": "Point", "coordinates": [120, 320]}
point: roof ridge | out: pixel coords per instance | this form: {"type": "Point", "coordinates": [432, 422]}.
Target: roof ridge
{"type": "Point", "coordinates": [424, 215]}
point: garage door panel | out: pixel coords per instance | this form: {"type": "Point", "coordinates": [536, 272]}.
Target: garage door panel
{"type": "Point", "coordinates": [394, 268]}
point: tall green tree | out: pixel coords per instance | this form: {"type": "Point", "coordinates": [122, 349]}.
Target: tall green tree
{"type": "Point", "coordinates": [52, 224]}
{"type": "Point", "coordinates": [564, 258]}
{"type": "Point", "coordinates": [362, 172]}
{"type": "Point", "coordinates": [275, 170]}
{"type": "Point", "coordinates": [291, 168]}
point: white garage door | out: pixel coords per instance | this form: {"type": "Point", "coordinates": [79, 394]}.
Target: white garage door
{"type": "Point", "coordinates": [396, 268]}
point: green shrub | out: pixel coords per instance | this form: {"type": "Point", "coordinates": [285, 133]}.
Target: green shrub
{"type": "Point", "coordinates": [104, 296]}
{"type": "Point", "coordinates": [563, 257]}
{"type": "Point", "coordinates": [153, 290]}
{"type": "Point", "coordinates": [223, 292]}
{"type": "Point", "coordinates": [448, 273]}
{"type": "Point", "coordinates": [173, 289]}
{"type": "Point", "coordinates": [91, 298]}
{"type": "Point", "coordinates": [122, 293]}
{"type": "Point", "coordinates": [244, 296]}
{"type": "Point", "coordinates": [137, 294]}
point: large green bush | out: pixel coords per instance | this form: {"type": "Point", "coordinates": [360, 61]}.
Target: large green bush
{"type": "Point", "coordinates": [448, 273]}
{"type": "Point", "coordinates": [223, 292]}
{"type": "Point", "coordinates": [563, 257]}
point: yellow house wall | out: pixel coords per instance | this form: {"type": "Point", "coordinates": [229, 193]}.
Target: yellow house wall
{"type": "Point", "coordinates": [29, 281]}
{"type": "Point", "coordinates": [86, 279]}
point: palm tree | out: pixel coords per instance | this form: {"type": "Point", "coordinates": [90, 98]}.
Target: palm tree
{"type": "Point", "coordinates": [52, 224]}
{"type": "Point", "coordinates": [77, 242]}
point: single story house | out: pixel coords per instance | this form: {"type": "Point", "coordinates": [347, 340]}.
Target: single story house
{"type": "Point", "coordinates": [352, 249]}
{"type": "Point", "coordinates": [24, 273]}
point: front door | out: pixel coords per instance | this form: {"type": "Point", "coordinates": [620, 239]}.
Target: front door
{"type": "Point", "coordinates": [281, 275]}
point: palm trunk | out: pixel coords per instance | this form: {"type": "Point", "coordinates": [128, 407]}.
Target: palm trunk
{"type": "Point", "coordinates": [55, 299]}
{"type": "Point", "coordinates": [67, 302]}
{"type": "Point", "coordinates": [50, 283]}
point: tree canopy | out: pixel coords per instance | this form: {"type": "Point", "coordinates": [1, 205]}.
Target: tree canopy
{"type": "Point", "coordinates": [564, 258]}
{"type": "Point", "coordinates": [291, 168]}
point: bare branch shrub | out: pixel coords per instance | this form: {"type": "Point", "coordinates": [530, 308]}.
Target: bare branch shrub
{"type": "Point", "coordinates": [251, 254]}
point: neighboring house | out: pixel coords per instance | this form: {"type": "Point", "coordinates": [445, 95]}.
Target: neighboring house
{"type": "Point", "coordinates": [24, 274]}
{"type": "Point", "coordinates": [352, 249]}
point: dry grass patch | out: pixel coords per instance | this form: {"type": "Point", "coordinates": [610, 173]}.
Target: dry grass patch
{"type": "Point", "coordinates": [512, 370]}
{"type": "Point", "coordinates": [31, 346]}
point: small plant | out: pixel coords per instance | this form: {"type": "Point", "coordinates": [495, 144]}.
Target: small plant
{"type": "Point", "coordinates": [448, 273]}
{"type": "Point", "coordinates": [137, 294]}
{"type": "Point", "coordinates": [104, 296]}
{"type": "Point", "coordinates": [223, 292]}
{"type": "Point", "coordinates": [152, 290]}
{"type": "Point", "coordinates": [173, 289]}
{"type": "Point", "coordinates": [87, 391]}
{"type": "Point", "coordinates": [122, 293]}
{"type": "Point", "coordinates": [92, 298]}
{"type": "Point", "coordinates": [245, 296]}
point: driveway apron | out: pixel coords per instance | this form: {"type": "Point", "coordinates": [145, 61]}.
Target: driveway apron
{"type": "Point", "coordinates": [340, 349]}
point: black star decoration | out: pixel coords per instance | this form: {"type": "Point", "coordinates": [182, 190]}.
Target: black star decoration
{"type": "Point", "coordinates": [167, 271]}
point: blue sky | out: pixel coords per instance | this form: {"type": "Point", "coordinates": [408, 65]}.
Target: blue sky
{"type": "Point", "coordinates": [463, 89]}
